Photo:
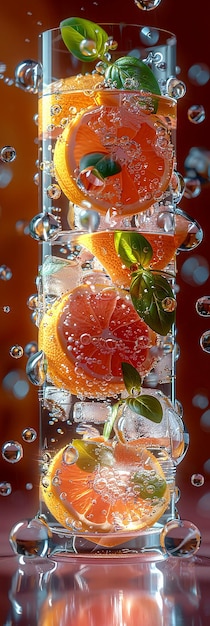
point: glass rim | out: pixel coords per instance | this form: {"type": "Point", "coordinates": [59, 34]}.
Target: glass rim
{"type": "Point", "coordinates": [170, 34]}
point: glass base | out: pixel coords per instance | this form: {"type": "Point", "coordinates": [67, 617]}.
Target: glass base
{"type": "Point", "coordinates": [146, 545]}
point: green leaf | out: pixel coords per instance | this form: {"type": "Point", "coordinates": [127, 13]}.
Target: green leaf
{"type": "Point", "coordinates": [147, 406]}
{"type": "Point", "coordinates": [131, 73]}
{"type": "Point", "coordinates": [133, 248]}
{"type": "Point", "coordinates": [52, 265]}
{"type": "Point", "coordinates": [131, 378]}
{"type": "Point", "coordinates": [75, 31]}
{"type": "Point", "coordinates": [92, 454]}
{"type": "Point", "coordinates": [110, 422]}
{"type": "Point", "coordinates": [149, 292]}
{"type": "Point", "coordinates": [103, 164]}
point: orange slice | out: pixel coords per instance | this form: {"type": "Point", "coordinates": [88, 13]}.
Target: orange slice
{"type": "Point", "coordinates": [88, 333]}
{"type": "Point", "coordinates": [131, 140]}
{"type": "Point", "coordinates": [95, 491]}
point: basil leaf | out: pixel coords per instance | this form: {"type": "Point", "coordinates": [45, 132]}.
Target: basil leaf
{"type": "Point", "coordinates": [131, 73]}
{"type": "Point", "coordinates": [149, 292]}
{"type": "Point", "coordinates": [133, 248]}
{"type": "Point", "coordinates": [110, 422]}
{"type": "Point", "coordinates": [147, 406]}
{"type": "Point", "coordinates": [76, 30]}
{"type": "Point", "coordinates": [92, 454]}
{"type": "Point", "coordinates": [131, 378]}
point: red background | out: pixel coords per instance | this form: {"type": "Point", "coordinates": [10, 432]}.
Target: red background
{"type": "Point", "coordinates": [19, 29]}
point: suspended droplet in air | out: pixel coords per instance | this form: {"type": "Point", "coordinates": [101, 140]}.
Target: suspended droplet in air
{"type": "Point", "coordinates": [12, 451]}
{"type": "Point", "coordinates": [199, 74]}
{"type": "Point", "coordinates": [28, 75]}
{"type": "Point", "coordinates": [196, 114]}
{"type": "Point", "coordinates": [203, 306]}
{"type": "Point", "coordinates": [149, 36]}
{"type": "Point", "coordinates": [175, 88]}
{"type": "Point", "coordinates": [5, 272]}
{"type": "Point", "coordinates": [5, 488]}
{"type": "Point", "coordinates": [8, 154]}
{"type": "Point", "coordinates": [180, 538]}
{"type": "Point", "coordinates": [192, 187]}
{"type": "Point", "coordinates": [89, 220]}
{"type": "Point", "coordinates": [16, 351]}
{"type": "Point", "coordinates": [29, 435]}
{"type": "Point", "coordinates": [205, 341]}
{"type": "Point", "coordinates": [197, 480]}
{"type": "Point", "coordinates": [194, 231]}
{"type": "Point", "coordinates": [147, 5]}
{"type": "Point", "coordinates": [44, 226]}
{"type": "Point", "coordinates": [30, 538]}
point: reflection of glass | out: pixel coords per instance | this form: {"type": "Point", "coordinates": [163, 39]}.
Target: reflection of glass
{"type": "Point", "coordinates": [111, 436]}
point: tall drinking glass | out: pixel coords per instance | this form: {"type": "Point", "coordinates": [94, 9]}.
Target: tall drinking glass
{"type": "Point", "coordinates": [111, 430]}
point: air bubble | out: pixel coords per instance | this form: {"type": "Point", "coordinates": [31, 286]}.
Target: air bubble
{"type": "Point", "coordinates": [199, 74]}
{"type": "Point", "coordinates": [54, 192]}
{"type": "Point", "coordinates": [194, 232]}
{"type": "Point", "coordinates": [28, 75]}
{"type": "Point", "coordinates": [205, 341]}
{"type": "Point", "coordinates": [29, 435]}
{"type": "Point", "coordinates": [197, 480]}
{"type": "Point", "coordinates": [147, 5]}
{"type": "Point", "coordinates": [44, 226]}
{"type": "Point", "coordinates": [16, 351]}
{"type": "Point", "coordinates": [70, 455]}
{"type": "Point", "coordinates": [8, 154]}
{"type": "Point", "coordinates": [192, 187]}
{"type": "Point", "coordinates": [88, 47]}
{"type": "Point", "coordinates": [175, 88]}
{"type": "Point", "coordinates": [36, 368]}
{"type": "Point", "coordinates": [5, 272]}
{"type": "Point", "coordinates": [169, 304]}
{"type": "Point", "coordinates": [5, 488]}
{"type": "Point", "coordinates": [89, 220]}
{"type": "Point", "coordinates": [12, 451]}
{"type": "Point", "coordinates": [165, 220]}
{"type": "Point", "coordinates": [30, 538]}
{"type": "Point", "coordinates": [149, 36]}
{"type": "Point", "coordinates": [196, 114]}
{"type": "Point", "coordinates": [203, 306]}
{"type": "Point", "coordinates": [180, 538]}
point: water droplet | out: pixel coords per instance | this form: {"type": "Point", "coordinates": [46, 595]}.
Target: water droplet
{"type": "Point", "coordinates": [180, 538]}
{"type": "Point", "coordinates": [169, 304]}
{"type": "Point", "coordinates": [29, 435]}
{"type": "Point", "coordinates": [203, 306]}
{"type": "Point", "coordinates": [149, 36]}
{"type": "Point", "coordinates": [36, 368]}
{"type": "Point", "coordinates": [16, 351]}
{"type": "Point", "coordinates": [29, 486]}
{"type": "Point", "coordinates": [196, 114]}
{"type": "Point", "coordinates": [200, 400]}
{"type": "Point", "coordinates": [12, 451]}
{"type": "Point", "coordinates": [32, 301]}
{"type": "Point", "coordinates": [147, 5]}
{"type": "Point", "coordinates": [30, 538]}
{"type": "Point", "coordinates": [5, 272]}
{"type": "Point", "coordinates": [6, 309]}
{"type": "Point", "coordinates": [70, 455]}
{"type": "Point", "coordinates": [89, 220]}
{"type": "Point", "coordinates": [88, 47]}
{"type": "Point", "coordinates": [178, 186]}
{"type": "Point", "coordinates": [30, 348]}
{"type": "Point", "coordinates": [175, 88]}
{"type": "Point", "coordinates": [192, 187]}
{"type": "Point", "coordinates": [28, 75]}
{"type": "Point", "coordinates": [194, 232]}
{"type": "Point", "coordinates": [5, 488]}
{"type": "Point", "coordinates": [89, 180]}
{"type": "Point", "coordinates": [151, 380]}
{"type": "Point", "coordinates": [199, 74]}
{"type": "Point", "coordinates": [44, 226]}
{"type": "Point", "coordinates": [8, 154]}
{"type": "Point", "coordinates": [205, 341]}
{"type": "Point", "coordinates": [197, 164]}
{"type": "Point", "coordinates": [54, 191]}
{"type": "Point", "coordinates": [165, 220]}
{"type": "Point", "coordinates": [197, 480]}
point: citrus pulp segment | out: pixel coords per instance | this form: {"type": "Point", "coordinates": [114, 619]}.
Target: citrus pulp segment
{"type": "Point", "coordinates": [105, 499]}
{"type": "Point", "coordinates": [128, 138]}
{"type": "Point", "coordinates": [88, 333]}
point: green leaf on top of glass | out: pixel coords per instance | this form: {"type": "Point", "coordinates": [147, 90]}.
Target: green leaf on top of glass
{"type": "Point", "coordinates": [147, 406]}
{"type": "Point", "coordinates": [84, 39]}
{"type": "Point", "coordinates": [153, 300]}
{"type": "Point", "coordinates": [128, 72]}
{"type": "Point", "coordinates": [133, 248]}
{"type": "Point", "coordinates": [100, 163]}
{"type": "Point", "coordinates": [131, 378]}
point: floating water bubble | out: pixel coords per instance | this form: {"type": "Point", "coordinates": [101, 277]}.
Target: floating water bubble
{"type": "Point", "coordinates": [196, 114]}
{"type": "Point", "coordinates": [30, 538]}
{"type": "Point", "coordinates": [44, 226]}
{"type": "Point", "coordinates": [169, 304]}
{"type": "Point", "coordinates": [8, 154]}
{"type": "Point", "coordinates": [175, 88]}
{"type": "Point", "coordinates": [197, 480]}
{"type": "Point", "coordinates": [89, 220]}
{"type": "Point", "coordinates": [16, 351]}
{"type": "Point", "coordinates": [205, 421]}
{"type": "Point", "coordinates": [165, 220]}
{"type": "Point", "coordinates": [5, 272]}
{"type": "Point", "coordinates": [149, 36]}
{"type": "Point", "coordinates": [147, 5]}
{"type": "Point", "coordinates": [36, 368]}
{"type": "Point", "coordinates": [30, 348]}
{"type": "Point", "coordinates": [195, 271]}
{"type": "Point", "coordinates": [192, 187]}
{"type": "Point", "coordinates": [194, 233]}
{"type": "Point", "coordinates": [12, 451]}
{"type": "Point", "coordinates": [6, 308]}
{"type": "Point", "coordinates": [29, 435]}
{"type": "Point", "coordinates": [6, 175]}
{"type": "Point", "coordinates": [15, 382]}
{"type": "Point", "coordinates": [200, 400]}
{"type": "Point", "coordinates": [54, 191]}
{"type": "Point", "coordinates": [29, 486]}
{"type": "Point", "coordinates": [178, 186]}
{"type": "Point", "coordinates": [88, 47]}
{"type": "Point", "coordinates": [203, 306]}
{"type": "Point", "coordinates": [199, 74]}
{"type": "Point", "coordinates": [32, 301]}
{"type": "Point", "coordinates": [28, 75]}
{"type": "Point", "coordinates": [70, 455]}
{"type": "Point", "coordinates": [180, 538]}
{"type": "Point", "coordinates": [197, 164]}
{"type": "Point", "coordinates": [205, 341]}
{"type": "Point", "coordinates": [5, 488]}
